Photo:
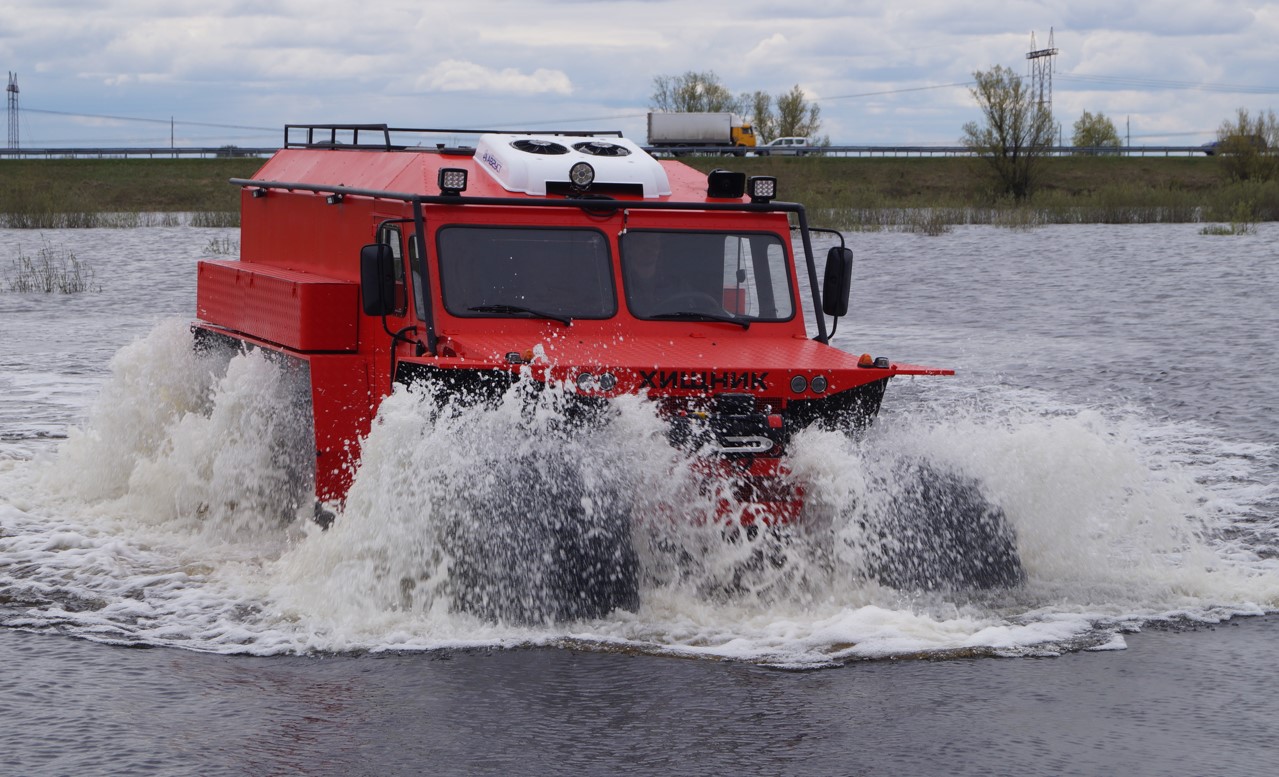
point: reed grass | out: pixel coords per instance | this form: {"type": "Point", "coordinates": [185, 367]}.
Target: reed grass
{"type": "Point", "coordinates": [86, 220]}
{"type": "Point", "coordinates": [223, 246]}
{"type": "Point", "coordinates": [1229, 229]}
{"type": "Point", "coordinates": [215, 219]}
{"type": "Point", "coordinates": [1242, 219]}
{"type": "Point", "coordinates": [52, 269]}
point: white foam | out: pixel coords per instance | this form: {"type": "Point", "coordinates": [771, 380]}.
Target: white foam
{"type": "Point", "coordinates": [160, 521]}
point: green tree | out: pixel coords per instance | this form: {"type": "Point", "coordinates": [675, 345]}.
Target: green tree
{"type": "Point", "coordinates": [1248, 146]}
{"type": "Point", "coordinates": [1016, 133]}
{"type": "Point", "coordinates": [695, 93]}
{"type": "Point", "coordinates": [762, 119]}
{"type": "Point", "coordinates": [1096, 133]}
{"type": "Point", "coordinates": [796, 116]}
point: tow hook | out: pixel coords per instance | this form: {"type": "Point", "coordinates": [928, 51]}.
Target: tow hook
{"type": "Point", "coordinates": [733, 427]}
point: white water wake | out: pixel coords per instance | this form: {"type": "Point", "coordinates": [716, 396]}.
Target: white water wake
{"type": "Point", "coordinates": [177, 516]}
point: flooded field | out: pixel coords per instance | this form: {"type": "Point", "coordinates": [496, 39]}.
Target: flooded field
{"type": "Point", "coordinates": [1114, 400]}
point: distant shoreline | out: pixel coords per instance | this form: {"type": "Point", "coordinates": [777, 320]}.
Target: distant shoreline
{"type": "Point", "coordinates": [912, 193]}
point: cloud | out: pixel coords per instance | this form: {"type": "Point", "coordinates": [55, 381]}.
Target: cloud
{"type": "Point", "coordinates": [769, 50]}
{"type": "Point", "coordinates": [453, 75]}
{"type": "Point", "coordinates": [882, 71]}
{"type": "Point", "coordinates": [1205, 17]}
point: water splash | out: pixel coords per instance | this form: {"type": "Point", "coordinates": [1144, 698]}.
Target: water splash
{"type": "Point", "coordinates": [215, 441]}
{"type": "Point", "coordinates": [163, 521]}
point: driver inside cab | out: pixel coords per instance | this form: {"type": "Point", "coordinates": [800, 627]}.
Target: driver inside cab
{"type": "Point", "coordinates": [661, 278]}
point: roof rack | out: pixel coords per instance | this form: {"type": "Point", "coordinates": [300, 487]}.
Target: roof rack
{"type": "Point", "coordinates": [347, 136]}
{"type": "Point", "coordinates": [336, 136]}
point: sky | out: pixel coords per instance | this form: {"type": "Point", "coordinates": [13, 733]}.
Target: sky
{"type": "Point", "coordinates": [110, 73]}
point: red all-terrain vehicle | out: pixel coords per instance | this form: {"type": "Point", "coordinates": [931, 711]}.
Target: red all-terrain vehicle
{"type": "Point", "coordinates": [566, 258]}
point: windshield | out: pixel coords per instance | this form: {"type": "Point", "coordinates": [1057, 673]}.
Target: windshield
{"type": "Point", "coordinates": [561, 274]}
{"type": "Point", "coordinates": [739, 276]}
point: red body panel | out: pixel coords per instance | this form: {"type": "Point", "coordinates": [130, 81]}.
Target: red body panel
{"type": "Point", "coordinates": [296, 291]}
{"type": "Point", "coordinates": [343, 401]}
{"type": "Point", "coordinates": [302, 311]}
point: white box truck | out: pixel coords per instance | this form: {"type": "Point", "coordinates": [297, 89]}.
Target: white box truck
{"type": "Point", "coordinates": [700, 130]}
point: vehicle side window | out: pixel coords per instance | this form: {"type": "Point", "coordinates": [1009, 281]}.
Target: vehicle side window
{"type": "Point", "coordinates": [419, 291]}
{"type": "Point", "coordinates": [389, 234]}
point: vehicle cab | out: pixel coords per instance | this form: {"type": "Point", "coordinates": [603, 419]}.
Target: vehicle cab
{"type": "Point", "coordinates": [568, 259]}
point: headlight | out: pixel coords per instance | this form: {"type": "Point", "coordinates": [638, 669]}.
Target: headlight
{"type": "Point", "coordinates": [586, 381]}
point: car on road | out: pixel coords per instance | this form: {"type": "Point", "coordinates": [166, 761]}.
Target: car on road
{"type": "Point", "coordinates": [792, 146]}
{"type": "Point", "coordinates": [1234, 144]}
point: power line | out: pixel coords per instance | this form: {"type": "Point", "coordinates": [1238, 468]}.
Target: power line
{"type": "Point", "coordinates": [1115, 80]}
{"type": "Point", "coordinates": [160, 141]}
{"type": "Point", "coordinates": [1157, 83]}
{"type": "Point", "coordinates": [545, 122]}
{"type": "Point", "coordinates": [150, 121]}
{"type": "Point", "coordinates": [893, 91]}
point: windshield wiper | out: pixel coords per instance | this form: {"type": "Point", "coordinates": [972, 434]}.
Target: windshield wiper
{"type": "Point", "coordinates": [727, 318]}
{"type": "Point", "coordinates": [517, 309]}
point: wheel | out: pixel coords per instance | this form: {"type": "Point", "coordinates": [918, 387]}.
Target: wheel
{"type": "Point", "coordinates": [596, 570]}
{"type": "Point", "coordinates": [939, 532]}
{"type": "Point", "coordinates": [527, 553]}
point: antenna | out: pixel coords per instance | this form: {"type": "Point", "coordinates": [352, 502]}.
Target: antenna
{"type": "Point", "coordinates": [12, 91]}
{"type": "Point", "coordinates": [1041, 71]}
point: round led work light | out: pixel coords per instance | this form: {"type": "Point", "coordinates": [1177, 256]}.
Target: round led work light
{"type": "Point", "coordinates": [581, 175]}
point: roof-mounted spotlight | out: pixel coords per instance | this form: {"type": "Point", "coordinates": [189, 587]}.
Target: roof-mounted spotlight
{"type": "Point", "coordinates": [725, 184]}
{"type": "Point", "coordinates": [762, 188]}
{"type": "Point", "coordinates": [581, 176]}
{"type": "Point", "coordinates": [452, 180]}
{"type": "Point", "coordinates": [259, 192]}
{"type": "Point", "coordinates": [335, 198]}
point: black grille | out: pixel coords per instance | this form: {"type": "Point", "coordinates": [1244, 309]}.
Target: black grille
{"type": "Point", "coordinates": [601, 148]}
{"type": "Point", "coordinates": [537, 146]}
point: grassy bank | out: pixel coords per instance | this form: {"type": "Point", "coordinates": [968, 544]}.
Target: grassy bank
{"type": "Point", "coordinates": [46, 194]}
{"type": "Point", "coordinates": [852, 193]}
{"type": "Point", "coordinates": [913, 193]}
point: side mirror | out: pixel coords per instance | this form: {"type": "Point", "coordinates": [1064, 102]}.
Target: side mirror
{"type": "Point", "coordinates": [838, 281]}
{"type": "Point", "coordinates": [377, 279]}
